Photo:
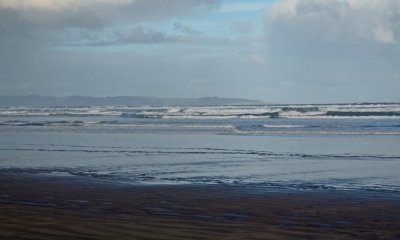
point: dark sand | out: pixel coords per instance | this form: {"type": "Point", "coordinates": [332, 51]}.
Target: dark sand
{"type": "Point", "coordinates": [43, 207]}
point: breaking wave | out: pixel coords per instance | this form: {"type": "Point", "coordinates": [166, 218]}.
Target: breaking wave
{"type": "Point", "coordinates": [362, 114]}
{"type": "Point", "coordinates": [366, 118]}
{"type": "Point", "coordinates": [267, 111]}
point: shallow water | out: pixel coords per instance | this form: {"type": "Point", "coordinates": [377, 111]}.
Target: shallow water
{"type": "Point", "coordinates": [311, 147]}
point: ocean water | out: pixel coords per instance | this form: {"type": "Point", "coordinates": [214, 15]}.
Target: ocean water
{"type": "Point", "coordinates": [307, 147]}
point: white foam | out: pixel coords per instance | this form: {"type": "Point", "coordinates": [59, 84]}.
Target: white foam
{"type": "Point", "coordinates": [282, 126]}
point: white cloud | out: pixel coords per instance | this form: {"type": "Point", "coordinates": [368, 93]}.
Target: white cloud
{"type": "Point", "coordinates": [337, 20]}
{"type": "Point", "coordinates": [54, 5]}
{"type": "Point", "coordinates": [343, 43]}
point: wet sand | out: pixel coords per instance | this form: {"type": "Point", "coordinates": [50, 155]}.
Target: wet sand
{"type": "Point", "coordinates": [48, 207]}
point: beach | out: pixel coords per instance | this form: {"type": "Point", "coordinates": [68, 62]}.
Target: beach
{"type": "Point", "coordinates": [57, 207]}
{"type": "Point", "coordinates": [222, 172]}
{"type": "Point", "coordinates": [199, 119]}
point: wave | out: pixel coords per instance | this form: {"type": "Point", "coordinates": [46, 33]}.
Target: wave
{"type": "Point", "coordinates": [267, 129]}
{"type": "Point", "coordinates": [300, 109]}
{"type": "Point", "coordinates": [42, 123]}
{"type": "Point", "coordinates": [281, 126]}
{"type": "Point", "coordinates": [136, 115]}
{"type": "Point", "coordinates": [311, 111]}
{"type": "Point", "coordinates": [267, 111]}
{"type": "Point", "coordinates": [265, 114]}
{"type": "Point", "coordinates": [309, 132]}
{"type": "Point", "coordinates": [200, 115]}
{"type": "Point", "coordinates": [214, 126]}
{"type": "Point", "coordinates": [75, 114]}
{"type": "Point", "coordinates": [362, 114]}
{"type": "Point", "coordinates": [195, 151]}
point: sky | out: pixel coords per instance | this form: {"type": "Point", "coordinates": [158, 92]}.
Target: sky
{"type": "Point", "coordinates": [277, 51]}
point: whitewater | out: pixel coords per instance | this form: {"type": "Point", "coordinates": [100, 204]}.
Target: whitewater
{"type": "Point", "coordinates": [300, 146]}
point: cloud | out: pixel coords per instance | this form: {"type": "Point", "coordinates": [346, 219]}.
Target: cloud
{"type": "Point", "coordinates": [334, 44]}
{"type": "Point", "coordinates": [135, 35]}
{"type": "Point", "coordinates": [59, 14]}
{"type": "Point", "coordinates": [335, 21]}
{"type": "Point", "coordinates": [143, 35]}
{"type": "Point", "coordinates": [29, 24]}
{"type": "Point", "coordinates": [29, 27]}
{"type": "Point", "coordinates": [26, 25]}
{"type": "Point", "coordinates": [311, 50]}
{"type": "Point", "coordinates": [249, 6]}
{"type": "Point", "coordinates": [52, 5]}
{"type": "Point", "coordinates": [185, 29]}
{"type": "Point", "coordinates": [139, 34]}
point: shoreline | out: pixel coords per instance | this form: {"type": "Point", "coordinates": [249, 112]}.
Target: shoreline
{"type": "Point", "coordinates": [258, 189]}
{"type": "Point", "coordinates": [48, 207]}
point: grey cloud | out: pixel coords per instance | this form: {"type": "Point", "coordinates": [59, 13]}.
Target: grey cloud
{"type": "Point", "coordinates": [316, 50]}
{"type": "Point", "coordinates": [141, 35]}
{"type": "Point", "coordinates": [332, 26]}
{"type": "Point", "coordinates": [135, 35]}
{"type": "Point", "coordinates": [338, 47]}
{"type": "Point", "coordinates": [159, 9]}
{"type": "Point", "coordinates": [349, 30]}
{"type": "Point", "coordinates": [30, 24]}
{"type": "Point", "coordinates": [26, 31]}
{"type": "Point", "coordinates": [185, 29]}
{"type": "Point", "coordinates": [60, 14]}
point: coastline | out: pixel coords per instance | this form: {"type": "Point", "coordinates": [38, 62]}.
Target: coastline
{"type": "Point", "coordinates": [37, 206]}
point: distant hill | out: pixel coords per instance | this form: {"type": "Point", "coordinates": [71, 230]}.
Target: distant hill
{"type": "Point", "coordinates": [73, 101]}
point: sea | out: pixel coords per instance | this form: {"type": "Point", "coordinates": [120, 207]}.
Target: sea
{"type": "Point", "coordinates": [293, 146]}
